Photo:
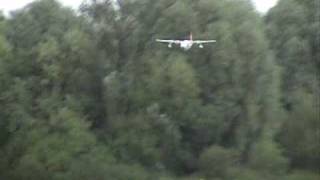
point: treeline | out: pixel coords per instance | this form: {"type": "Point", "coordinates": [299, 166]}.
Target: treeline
{"type": "Point", "coordinates": [89, 95]}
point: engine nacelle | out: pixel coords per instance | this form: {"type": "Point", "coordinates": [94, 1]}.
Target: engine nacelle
{"type": "Point", "coordinates": [200, 46]}
{"type": "Point", "coordinates": [169, 45]}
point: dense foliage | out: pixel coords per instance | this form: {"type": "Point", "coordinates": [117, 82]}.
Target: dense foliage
{"type": "Point", "coordinates": [90, 95]}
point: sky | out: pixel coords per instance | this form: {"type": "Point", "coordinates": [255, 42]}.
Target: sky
{"type": "Point", "coordinates": [8, 5]}
{"type": "Point", "coordinates": [263, 5]}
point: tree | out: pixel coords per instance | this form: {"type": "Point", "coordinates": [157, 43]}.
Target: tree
{"type": "Point", "coordinates": [90, 95]}
{"type": "Point", "coordinates": [299, 132]}
{"type": "Point", "coordinates": [292, 32]}
{"type": "Point", "coordinates": [216, 162]}
{"type": "Point", "coordinates": [230, 87]}
{"type": "Point", "coordinates": [292, 29]}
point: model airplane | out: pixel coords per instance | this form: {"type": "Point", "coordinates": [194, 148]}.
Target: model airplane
{"type": "Point", "coordinates": [186, 44]}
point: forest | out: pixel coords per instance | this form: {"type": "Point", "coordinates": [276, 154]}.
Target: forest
{"type": "Point", "coordinates": [90, 95]}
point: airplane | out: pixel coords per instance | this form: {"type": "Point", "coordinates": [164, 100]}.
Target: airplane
{"type": "Point", "coordinates": [186, 44]}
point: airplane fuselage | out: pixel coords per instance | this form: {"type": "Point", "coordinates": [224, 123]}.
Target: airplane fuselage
{"type": "Point", "coordinates": [186, 44]}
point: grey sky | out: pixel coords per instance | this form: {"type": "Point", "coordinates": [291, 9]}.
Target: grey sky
{"type": "Point", "coordinates": [9, 5]}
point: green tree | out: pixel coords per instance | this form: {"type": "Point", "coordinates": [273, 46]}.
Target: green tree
{"type": "Point", "coordinates": [299, 133]}
{"type": "Point", "coordinates": [216, 162]}
{"type": "Point", "coordinates": [267, 159]}
{"type": "Point", "coordinates": [90, 95]}
{"type": "Point", "coordinates": [225, 94]}
{"type": "Point", "coordinates": [293, 28]}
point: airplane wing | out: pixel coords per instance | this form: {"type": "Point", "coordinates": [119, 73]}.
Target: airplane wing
{"type": "Point", "coordinates": [168, 41]}
{"type": "Point", "coordinates": [203, 42]}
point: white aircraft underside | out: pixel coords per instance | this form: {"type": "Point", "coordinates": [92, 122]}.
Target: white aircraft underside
{"type": "Point", "coordinates": [186, 44]}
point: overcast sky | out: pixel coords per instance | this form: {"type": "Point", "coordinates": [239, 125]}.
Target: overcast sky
{"type": "Point", "coordinates": [9, 5]}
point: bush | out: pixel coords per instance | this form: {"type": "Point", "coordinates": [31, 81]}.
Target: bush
{"type": "Point", "coordinates": [303, 175]}
{"type": "Point", "coordinates": [267, 158]}
{"type": "Point", "coordinates": [216, 162]}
